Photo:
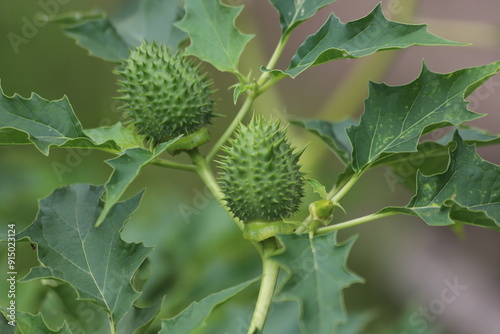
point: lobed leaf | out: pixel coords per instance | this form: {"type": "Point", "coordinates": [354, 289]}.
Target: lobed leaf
{"type": "Point", "coordinates": [27, 323]}
{"type": "Point", "coordinates": [294, 12]}
{"type": "Point", "coordinates": [396, 117]}
{"type": "Point", "coordinates": [317, 275]}
{"type": "Point", "coordinates": [214, 37]}
{"type": "Point", "coordinates": [468, 192]}
{"type": "Point", "coordinates": [332, 134]}
{"type": "Point", "coordinates": [195, 315]}
{"type": "Point", "coordinates": [360, 38]}
{"type": "Point", "coordinates": [126, 168]}
{"type": "Point", "coordinates": [95, 261]}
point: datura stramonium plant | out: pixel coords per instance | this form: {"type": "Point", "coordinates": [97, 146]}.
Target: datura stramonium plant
{"type": "Point", "coordinates": [165, 95]}
{"type": "Point", "coordinates": [261, 177]}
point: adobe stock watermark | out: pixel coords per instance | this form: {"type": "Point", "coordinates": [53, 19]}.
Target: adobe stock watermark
{"type": "Point", "coordinates": [11, 274]}
{"type": "Point", "coordinates": [421, 319]}
{"type": "Point", "coordinates": [32, 25]}
{"type": "Point", "coordinates": [200, 200]}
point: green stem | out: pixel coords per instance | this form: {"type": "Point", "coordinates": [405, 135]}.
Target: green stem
{"type": "Point", "coordinates": [205, 173]}
{"type": "Point", "coordinates": [336, 196]}
{"type": "Point", "coordinates": [270, 270]}
{"type": "Point", "coordinates": [229, 131]}
{"type": "Point", "coordinates": [261, 87]}
{"type": "Point", "coordinates": [171, 164]}
{"type": "Point", "coordinates": [354, 222]}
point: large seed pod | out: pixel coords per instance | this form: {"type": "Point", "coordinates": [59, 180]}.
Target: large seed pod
{"type": "Point", "coordinates": [261, 177]}
{"type": "Point", "coordinates": [164, 94]}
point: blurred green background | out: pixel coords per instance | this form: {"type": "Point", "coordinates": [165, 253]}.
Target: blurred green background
{"type": "Point", "coordinates": [198, 249]}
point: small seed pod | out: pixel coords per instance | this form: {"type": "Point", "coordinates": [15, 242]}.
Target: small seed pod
{"type": "Point", "coordinates": [261, 177]}
{"type": "Point", "coordinates": [165, 95]}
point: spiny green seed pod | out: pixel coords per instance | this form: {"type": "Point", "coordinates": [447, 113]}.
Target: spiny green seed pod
{"type": "Point", "coordinates": [261, 177]}
{"type": "Point", "coordinates": [164, 94]}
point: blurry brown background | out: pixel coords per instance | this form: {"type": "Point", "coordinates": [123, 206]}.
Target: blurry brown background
{"type": "Point", "coordinates": [406, 264]}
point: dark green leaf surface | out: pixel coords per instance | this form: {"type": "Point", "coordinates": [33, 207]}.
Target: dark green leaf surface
{"type": "Point", "coordinates": [194, 316]}
{"type": "Point", "coordinates": [95, 261]}
{"type": "Point", "coordinates": [100, 39]}
{"type": "Point", "coordinates": [332, 133]}
{"type": "Point", "coordinates": [396, 117]}
{"type": "Point", "coordinates": [317, 275]}
{"type": "Point", "coordinates": [138, 319]}
{"type": "Point", "coordinates": [294, 12]}
{"type": "Point", "coordinates": [61, 305]}
{"type": "Point", "coordinates": [126, 168]}
{"type": "Point", "coordinates": [468, 192]}
{"type": "Point", "coordinates": [214, 37]}
{"type": "Point", "coordinates": [360, 38]}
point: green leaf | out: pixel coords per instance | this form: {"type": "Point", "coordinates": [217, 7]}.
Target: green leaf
{"type": "Point", "coordinates": [27, 323]}
{"type": "Point", "coordinates": [293, 12]}
{"type": "Point", "coordinates": [317, 187]}
{"type": "Point", "coordinates": [333, 134]}
{"type": "Point", "coordinates": [100, 38]}
{"type": "Point", "coordinates": [356, 323]}
{"type": "Point", "coordinates": [124, 137]}
{"type": "Point", "coordinates": [467, 193]}
{"type": "Point", "coordinates": [36, 120]}
{"type": "Point", "coordinates": [214, 37]}
{"type": "Point", "coordinates": [360, 38]}
{"type": "Point", "coordinates": [317, 275]}
{"type": "Point", "coordinates": [472, 135]}
{"type": "Point", "coordinates": [60, 305]}
{"type": "Point", "coordinates": [126, 168]}
{"type": "Point", "coordinates": [137, 320]}
{"type": "Point", "coordinates": [195, 315]}
{"type": "Point", "coordinates": [396, 117]}
{"type": "Point", "coordinates": [44, 124]}
{"type": "Point", "coordinates": [110, 39]}
{"type": "Point", "coordinates": [95, 261]}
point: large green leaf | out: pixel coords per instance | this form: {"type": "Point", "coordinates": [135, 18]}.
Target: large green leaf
{"type": "Point", "coordinates": [317, 275]}
{"type": "Point", "coordinates": [48, 123]}
{"type": "Point", "coordinates": [194, 316]}
{"type": "Point", "coordinates": [95, 261]}
{"type": "Point", "coordinates": [356, 39]}
{"type": "Point", "coordinates": [467, 193]}
{"type": "Point", "coordinates": [293, 12]}
{"type": "Point", "coordinates": [396, 117]}
{"type": "Point", "coordinates": [126, 168]}
{"type": "Point", "coordinates": [332, 133]}
{"type": "Point", "coordinates": [110, 39]}
{"type": "Point", "coordinates": [214, 37]}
